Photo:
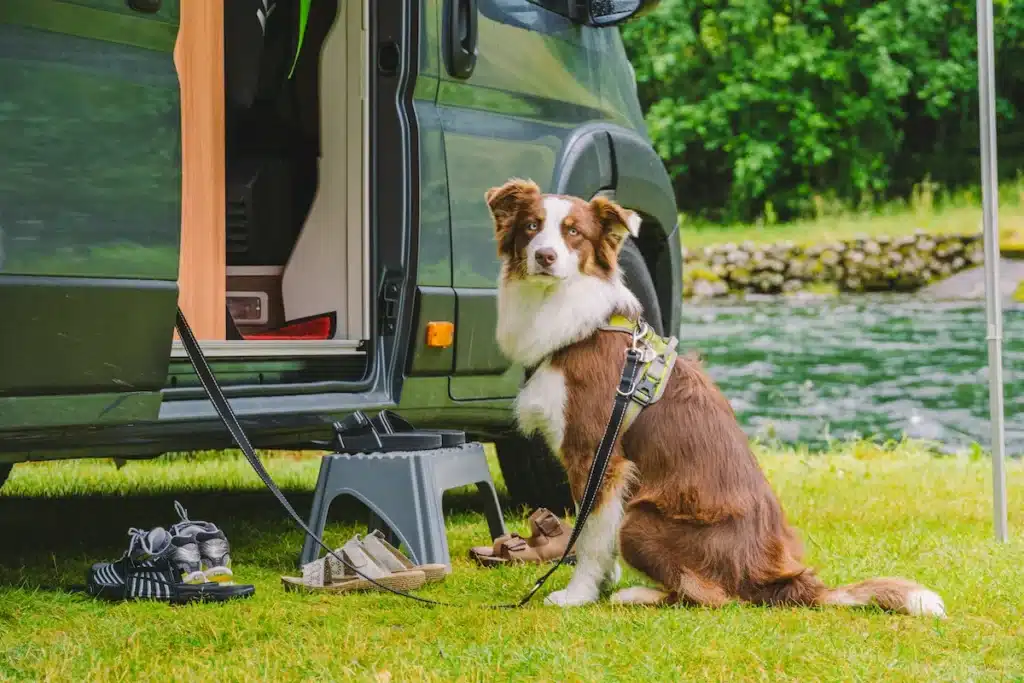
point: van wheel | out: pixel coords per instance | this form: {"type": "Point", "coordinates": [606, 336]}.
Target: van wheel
{"type": "Point", "coordinates": [533, 475]}
{"type": "Point", "coordinates": [638, 280]}
{"type": "Point", "coordinates": [5, 471]}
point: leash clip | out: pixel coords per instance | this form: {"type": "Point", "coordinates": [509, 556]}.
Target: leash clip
{"type": "Point", "coordinates": [640, 345]}
{"type": "Point", "coordinates": [639, 332]}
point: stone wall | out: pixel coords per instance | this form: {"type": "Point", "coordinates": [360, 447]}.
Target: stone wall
{"type": "Point", "coordinates": [857, 265]}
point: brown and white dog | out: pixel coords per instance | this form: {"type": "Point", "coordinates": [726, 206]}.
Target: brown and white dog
{"type": "Point", "coordinates": [684, 500]}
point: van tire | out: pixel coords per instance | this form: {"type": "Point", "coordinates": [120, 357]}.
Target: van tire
{"type": "Point", "coordinates": [638, 280]}
{"type": "Point", "coordinates": [5, 471]}
{"type": "Point", "coordinates": [533, 475]}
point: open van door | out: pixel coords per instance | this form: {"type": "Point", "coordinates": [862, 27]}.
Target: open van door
{"type": "Point", "coordinates": [90, 209]}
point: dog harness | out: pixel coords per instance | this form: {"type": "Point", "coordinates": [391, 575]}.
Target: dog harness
{"type": "Point", "coordinates": [657, 356]}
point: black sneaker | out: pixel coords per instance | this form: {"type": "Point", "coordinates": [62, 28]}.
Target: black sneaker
{"type": "Point", "coordinates": [214, 549]}
{"type": "Point", "coordinates": [155, 567]}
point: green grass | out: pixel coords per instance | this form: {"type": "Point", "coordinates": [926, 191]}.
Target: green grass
{"type": "Point", "coordinates": [929, 210]}
{"type": "Point", "coordinates": [863, 511]}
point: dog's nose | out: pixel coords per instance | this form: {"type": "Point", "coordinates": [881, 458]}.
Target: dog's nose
{"type": "Point", "coordinates": [545, 256]}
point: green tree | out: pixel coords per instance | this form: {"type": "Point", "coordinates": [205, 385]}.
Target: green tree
{"type": "Point", "coordinates": [751, 101]}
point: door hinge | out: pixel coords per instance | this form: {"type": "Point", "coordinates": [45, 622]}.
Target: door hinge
{"type": "Point", "coordinates": [389, 306]}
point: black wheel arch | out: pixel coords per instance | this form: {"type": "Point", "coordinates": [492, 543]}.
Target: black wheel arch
{"type": "Point", "coordinates": [605, 157]}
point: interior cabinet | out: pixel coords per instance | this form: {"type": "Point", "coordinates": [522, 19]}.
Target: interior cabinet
{"type": "Point", "coordinates": [198, 56]}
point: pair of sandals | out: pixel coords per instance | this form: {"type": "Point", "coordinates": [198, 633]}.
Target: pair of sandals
{"type": "Point", "coordinates": [375, 558]}
{"type": "Point", "coordinates": [549, 536]}
{"type": "Point", "coordinates": [387, 432]}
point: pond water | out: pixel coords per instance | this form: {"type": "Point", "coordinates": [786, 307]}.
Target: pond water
{"type": "Point", "coordinates": [870, 367]}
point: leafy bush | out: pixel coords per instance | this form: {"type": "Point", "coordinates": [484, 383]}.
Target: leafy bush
{"type": "Point", "coordinates": [776, 106]}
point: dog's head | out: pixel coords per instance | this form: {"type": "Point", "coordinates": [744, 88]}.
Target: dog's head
{"type": "Point", "coordinates": [545, 237]}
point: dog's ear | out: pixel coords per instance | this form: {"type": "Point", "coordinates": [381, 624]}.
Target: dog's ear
{"type": "Point", "coordinates": [615, 221]}
{"type": "Point", "coordinates": [503, 201]}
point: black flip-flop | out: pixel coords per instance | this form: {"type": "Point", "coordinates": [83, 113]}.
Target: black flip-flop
{"type": "Point", "coordinates": [357, 434]}
{"type": "Point", "coordinates": [390, 422]}
{"type": "Point", "coordinates": [175, 593]}
{"type": "Point", "coordinates": [154, 578]}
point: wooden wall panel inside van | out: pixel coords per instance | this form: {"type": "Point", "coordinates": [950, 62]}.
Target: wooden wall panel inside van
{"type": "Point", "coordinates": [199, 56]}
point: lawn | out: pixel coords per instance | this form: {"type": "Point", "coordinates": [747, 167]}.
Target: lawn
{"type": "Point", "coordinates": [863, 511]}
{"type": "Point", "coordinates": [933, 212]}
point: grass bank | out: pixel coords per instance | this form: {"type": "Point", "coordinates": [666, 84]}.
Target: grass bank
{"type": "Point", "coordinates": [929, 209]}
{"type": "Point", "coordinates": [863, 511]}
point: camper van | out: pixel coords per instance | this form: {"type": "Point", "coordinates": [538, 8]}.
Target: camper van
{"type": "Point", "coordinates": [306, 179]}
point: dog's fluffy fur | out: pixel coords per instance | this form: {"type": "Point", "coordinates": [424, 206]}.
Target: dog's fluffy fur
{"type": "Point", "coordinates": [684, 500]}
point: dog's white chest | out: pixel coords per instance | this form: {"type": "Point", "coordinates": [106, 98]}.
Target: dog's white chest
{"type": "Point", "coordinates": [540, 406]}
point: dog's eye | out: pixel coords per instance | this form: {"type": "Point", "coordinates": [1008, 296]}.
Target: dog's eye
{"type": "Point", "coordinates": [531, 226]}
{"type": "Point", "coordinates": [573, 231]}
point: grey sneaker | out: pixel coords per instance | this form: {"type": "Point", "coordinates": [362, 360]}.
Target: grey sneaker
{"type": "Point", "coordinates": [212, 545]}
{"type": "Point", "coordinates": [183, 553]}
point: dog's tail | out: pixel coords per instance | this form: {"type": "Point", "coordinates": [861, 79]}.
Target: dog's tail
{"type": "Point", "coordinates": [889, 593]}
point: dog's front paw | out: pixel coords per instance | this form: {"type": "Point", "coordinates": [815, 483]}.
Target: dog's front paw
{"type": "Point", "coordinates": [565, 598]}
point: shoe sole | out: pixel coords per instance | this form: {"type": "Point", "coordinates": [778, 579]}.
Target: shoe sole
{"type": "Point", "coordinates": [185, 593]}
{"type": "Point", "coordinates": [196, 578]}
{"type": "Point", "coordinates": [221, 575]}
{"type": "Point", "coordinates": [483, 556]}
{"type": "Point", "coordinates": [402, 581]}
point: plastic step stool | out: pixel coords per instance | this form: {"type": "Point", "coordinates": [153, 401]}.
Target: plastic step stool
{"type": "Point", "coordinates": [403, 490]}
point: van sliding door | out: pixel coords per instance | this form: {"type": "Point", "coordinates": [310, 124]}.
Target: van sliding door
{"type": "Point", "coordinates": [90, 209]}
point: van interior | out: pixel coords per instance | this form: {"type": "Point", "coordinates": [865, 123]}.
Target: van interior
{"type": "Point", "coordinates": [297, 250]}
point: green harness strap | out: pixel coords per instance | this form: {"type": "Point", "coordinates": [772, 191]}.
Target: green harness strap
{"type": "Point", "coordinates": [659, 358]}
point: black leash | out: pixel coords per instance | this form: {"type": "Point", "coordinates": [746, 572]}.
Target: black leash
{"type": "Point", "coordinates": [230, 420]}
{"type": "Point", "coordinates": [623, 395]}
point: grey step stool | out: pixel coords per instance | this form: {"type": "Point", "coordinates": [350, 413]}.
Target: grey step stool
{"type": "Point", "coordinates": [403, 491]}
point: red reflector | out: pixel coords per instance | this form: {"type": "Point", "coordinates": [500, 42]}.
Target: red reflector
{"type": "Point", "coordinates": [315, 327]}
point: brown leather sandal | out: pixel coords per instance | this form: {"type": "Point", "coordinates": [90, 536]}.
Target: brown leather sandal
{"type": "Point", "coordinates": [547, 542]}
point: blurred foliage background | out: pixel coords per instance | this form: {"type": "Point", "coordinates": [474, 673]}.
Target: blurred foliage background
{"type": "Point", "coordinates": [773, 110]}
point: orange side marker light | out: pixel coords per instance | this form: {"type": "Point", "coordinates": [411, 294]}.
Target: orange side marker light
{"type": "Point", "coordinates": [440, 335]}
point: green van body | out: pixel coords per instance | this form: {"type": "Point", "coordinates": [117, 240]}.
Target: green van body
{"type": "Point", "coordinates": [90, 216]}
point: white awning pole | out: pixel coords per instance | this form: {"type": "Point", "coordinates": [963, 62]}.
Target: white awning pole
{"type": "Point", "coordinates": [993, 304]}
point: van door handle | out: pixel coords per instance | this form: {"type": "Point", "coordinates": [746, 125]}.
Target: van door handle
{"type": "Point", "coordinates": [460, 37]}
{"type": "Point", "coordinates": [144, 6]}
